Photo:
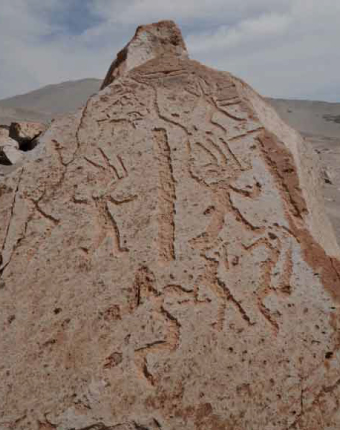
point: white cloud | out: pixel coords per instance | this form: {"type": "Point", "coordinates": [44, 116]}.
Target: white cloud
{"type": "Point", "coordinates": [292, 53]}
{"type": "Point", "coordinates": [184, 11]}
{"type": "Point", "coordinates": [35, 50]}
{"type": "Point", "coordinates": [285, 48]}
{"type": "Point", "coordinates": [244, 33]}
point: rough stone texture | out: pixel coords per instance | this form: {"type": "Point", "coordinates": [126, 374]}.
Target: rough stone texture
{"type": "Point", "coordinates": [4, 134]}
{"type": "Point", "coordinates": [166, 264]}
{"type": "Point", "coordinates": [24, 132]}
{"type": "Point", "coordinates": [19, 137]}
{"type": "Point", "coordinates": [149, 41]}
{"type": "Point", "coordinates": [9, 153]}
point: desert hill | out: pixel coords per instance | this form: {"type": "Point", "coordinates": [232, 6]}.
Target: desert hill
{"type": "Point", "coordinates": [47, 102]}
{"type": "Point", "coordinates": [310, 117]}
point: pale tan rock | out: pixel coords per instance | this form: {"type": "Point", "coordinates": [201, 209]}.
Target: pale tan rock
{"type": "Point", "coordinates": [7, 141]}
{"type": "Point", "coordinates": [9, 149]}
{"type": "Point", "coordinates": [23, 131]}
{"type": "Point", "coordinates": [11, 153]}
{"type": "Point", "coordinates": [4, 134]}
{"type": "Point", "coordinates": [20, 136]}
{"type": "Point", "coordinates": [149, 41]}
{"type": "Point", "coordinates": [162, 266]}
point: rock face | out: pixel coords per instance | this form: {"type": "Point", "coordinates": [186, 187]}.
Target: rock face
{"type": "Point", "coordinates": [149, 41]}
{"type": "Point", "coordinates": [166, 264]}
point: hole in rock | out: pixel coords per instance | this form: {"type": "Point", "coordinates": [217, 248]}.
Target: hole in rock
{"type": "Point", "coordinates": [28, 145]}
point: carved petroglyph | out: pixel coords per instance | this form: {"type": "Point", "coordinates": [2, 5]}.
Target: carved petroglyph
{"type": "Point", "coordinates": [212, 161]}
{"type": "Point", "coordinates": [109, 227]}
{"type": "Point", "coordinates": [104, 200]}
{"type": "Point", "coordinates": [205, 162]}
{"type": "Point", "coordinates": [219, 160]}
{"type": "Point", "coordinates": [145, 293]}
{"type": "Point", "coordinates": [166, 197]}
{"type": "Point", "coordinates": [122, 108]}
{"type": "Point", "coordinates": [113, 167]}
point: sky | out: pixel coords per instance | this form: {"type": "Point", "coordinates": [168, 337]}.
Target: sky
{"type": "Point", "coordinates": [283, 48]}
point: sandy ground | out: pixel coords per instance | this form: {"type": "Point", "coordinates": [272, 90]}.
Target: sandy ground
{"type": "Point", "coordinates": [328, 150]}
{"type": "Point", "coordinates": [310, 117]}
{"type": "Point", "coordinates": [318, 122]}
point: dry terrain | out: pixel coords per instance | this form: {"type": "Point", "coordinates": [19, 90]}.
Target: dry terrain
{"type": "Point", "coordinates": [48, 102]}
{"type": "Point", "coordinates": [319, 123]}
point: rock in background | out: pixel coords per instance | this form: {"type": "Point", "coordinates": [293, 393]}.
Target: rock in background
{"type": "Point", "coordinates": [167, 264]}
{"type": "Point", "coordinates": [9, 148]}
{"type": "Point", "coordinates": [15, 141]}
{"type": "Point", "coordinates": [26, 133]}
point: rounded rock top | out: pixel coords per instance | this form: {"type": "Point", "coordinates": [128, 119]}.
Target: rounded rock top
{"type": "Point", "coordinates": [149, 42]}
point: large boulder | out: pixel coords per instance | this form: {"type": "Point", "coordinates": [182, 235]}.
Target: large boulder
{"type": "Point", "coordinates": [167, 264]}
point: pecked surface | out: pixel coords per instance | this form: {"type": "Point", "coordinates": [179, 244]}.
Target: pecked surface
{"type": "Point", "coordinates": [162, 269]}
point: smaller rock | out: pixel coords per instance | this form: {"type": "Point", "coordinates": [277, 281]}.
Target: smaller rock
{"type": "Point", "coordinates": [4, 134]}
{"type": "Point", "coordinates": [7, 141]}
{"type": "Point", "coordinates": [25, 133]}
{"type": "Point", "coordinates": [8, 150]}
{"type": "Point", "coordinates": [11, 154]}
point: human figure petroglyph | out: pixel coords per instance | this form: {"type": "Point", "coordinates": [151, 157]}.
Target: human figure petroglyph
{"type": "Point", "coordinates": [220, 147]}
